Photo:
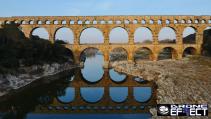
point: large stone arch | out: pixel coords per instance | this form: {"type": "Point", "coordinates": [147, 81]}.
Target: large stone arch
{"type": "Point", "coordinates": [63, 27]}
{"type": "Point", "coordinates": [139, 34]}
{"type": "Point", "coordinates": [115, 49]}
{"type": "Point", "coordinates": [98, 30]}
{"type": "Point", "coordinates": [167, 34]}
{"type": "Point", "coordinates": [144, 52]}
{"type": "Point", "coordinates": [167, 53]}
{"type": "Point", "coordinates": [86, 48]}
{"type": "Point", "coordinates": [113, 36]}
{"type": "Point", "coordinates": [39, 27]}
{"type": "Point", "coordinates": [189, 35]}
{"type": "Point", "coordinates": [189, 51]}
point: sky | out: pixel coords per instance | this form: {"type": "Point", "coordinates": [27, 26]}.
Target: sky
{"type": "Point", "coordinates": [105, 7]}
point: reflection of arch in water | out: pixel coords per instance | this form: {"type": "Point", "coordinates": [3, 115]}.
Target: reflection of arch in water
{"type": "Point", "coordinates": [93, 64]}
{"type": "Point", "coordinates": [142, 94]}
{"type": "Point", "coordinates": [189, 51]}
{"type": "Point", "coordinates": [116, 76]}
{"type": "Point", "coordinates": [68, 96]}
{"type": "Point", "coordinates": [88, 80]}
{"type": "Point", "coordinates": [118, 94]}
{"type": "Point", "coordinates": [92, 94]}
{"type": "Point", "coordinates": [167, 53]}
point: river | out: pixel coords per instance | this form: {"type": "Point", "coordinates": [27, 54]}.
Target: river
{"type": "Point", "coordinates": [87, 93]}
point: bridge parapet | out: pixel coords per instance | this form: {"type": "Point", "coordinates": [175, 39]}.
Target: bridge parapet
{"type": "Point", "coordinates": [164, 19]}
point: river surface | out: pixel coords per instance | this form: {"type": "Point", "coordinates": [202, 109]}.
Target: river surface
{"type": "Point", "coordinates": [91, 92]}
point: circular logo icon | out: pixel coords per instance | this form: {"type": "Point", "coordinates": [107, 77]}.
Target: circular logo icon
{"type": "Point", "coordinates": [164, 110]}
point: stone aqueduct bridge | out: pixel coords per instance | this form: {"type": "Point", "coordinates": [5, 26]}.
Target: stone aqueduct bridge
{"type": "Point", "coordinates": [106, 23]}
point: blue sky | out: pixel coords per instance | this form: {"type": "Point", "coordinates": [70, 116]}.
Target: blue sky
{"type": "Point", "coordinates": [104, 7]}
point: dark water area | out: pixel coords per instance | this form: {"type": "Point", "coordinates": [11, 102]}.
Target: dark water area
{"type": "Point", "coordinates": [87, 93]}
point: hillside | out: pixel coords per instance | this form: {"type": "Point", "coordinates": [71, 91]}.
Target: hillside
{"type": "Point", "coordinates": [207, 43]}
{"type": "Point", "coordinates": [206, 47]}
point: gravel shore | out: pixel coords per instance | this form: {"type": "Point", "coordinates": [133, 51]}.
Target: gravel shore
{"type": "Point", "coordinates": [186, 81]}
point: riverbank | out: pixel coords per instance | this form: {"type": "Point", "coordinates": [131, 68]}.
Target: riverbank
{"type": "Point", "coordinates": [12, 83]}
{"type": "Point", "coordinates": [186, 81]}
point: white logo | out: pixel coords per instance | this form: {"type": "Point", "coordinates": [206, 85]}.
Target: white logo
{"type": "Point", "coordinates": [164, 110]}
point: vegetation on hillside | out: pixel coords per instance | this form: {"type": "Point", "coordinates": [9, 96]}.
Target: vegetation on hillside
{"type": "Point", "coordinates": [16, 50]}
{"type": "Point", "coordinates": [207, 43]}
{"type": "Point", "coordinates": [189, 39]}
{"type": "Point", "coordinates": [206, 47]}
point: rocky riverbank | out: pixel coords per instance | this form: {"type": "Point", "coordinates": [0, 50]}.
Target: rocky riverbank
{"type": "Point", "coordinates": [186, 81]}
{"type": "Point", "coordinates": [27, 75]}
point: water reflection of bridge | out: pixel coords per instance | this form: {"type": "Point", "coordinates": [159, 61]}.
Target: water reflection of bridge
{"type": "Point", "coordinates": [106, 104]}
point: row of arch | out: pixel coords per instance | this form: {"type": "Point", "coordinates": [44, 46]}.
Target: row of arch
{"type": "Point", "coordinates": [135, 21]}
{"type": "Point", "coordinates": [145, 53]}
{"type": "Point", "coordinates": [118, 35]}
{"type": "Point", "coordinates": [117, 94]}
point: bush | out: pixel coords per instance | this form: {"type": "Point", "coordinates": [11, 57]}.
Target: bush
{"type": "Point", "coordinates": [60, 42]}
